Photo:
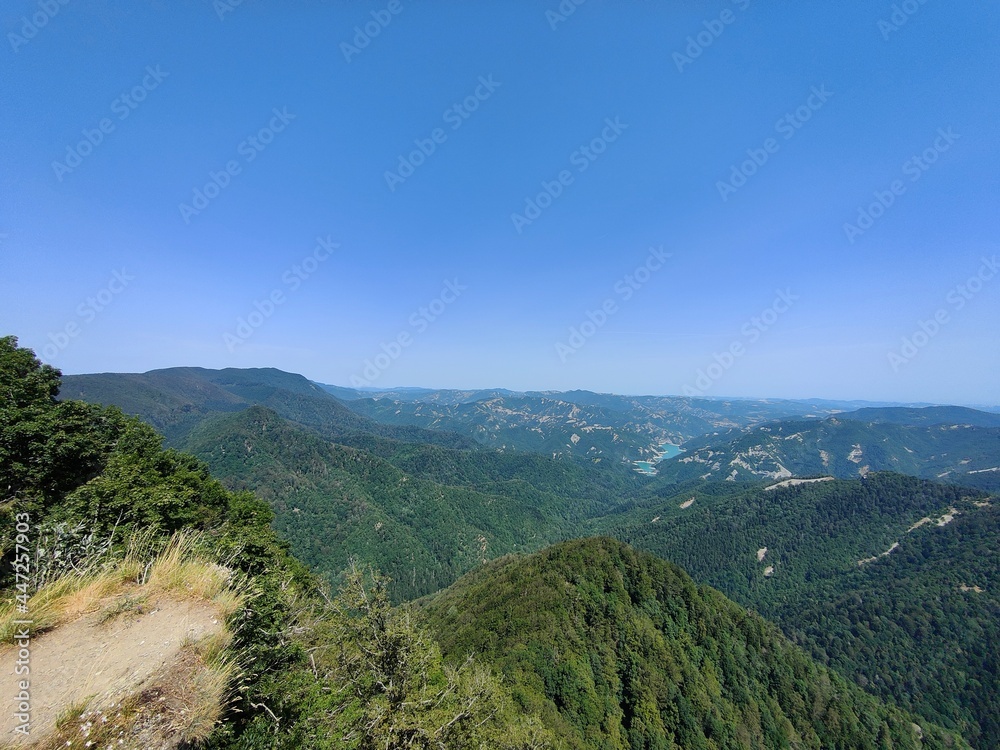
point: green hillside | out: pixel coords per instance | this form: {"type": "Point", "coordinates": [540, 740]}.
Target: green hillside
{"type": "Point", "coordinates": [957, 452]}
{"type": "Point", "coordinates": [333, 502]}
{"type": "Point", "coordinates": [426, 506]}
{"type": "Point", "coordinates": [867, 574]}
{"type": "Point", "coordinates": [593, 426]}
{"type": "Point", "coordinates": [925, 415]}
{"type": "Point", "coordinates": [176, 400]}
{"type": "Point", "coordinates": [619, 649]}
{"type": "Point", "coordinates": [811, 532]}
{"type": "Point", "coordinates": [920, 626]}
{"type": "Point", "coordinates": [308, 670]}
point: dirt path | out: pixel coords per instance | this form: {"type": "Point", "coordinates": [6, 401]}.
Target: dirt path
{"type": "Point", "coordinates": [795, 482]}
{"type": "Point", "coordinates": [85, 658]}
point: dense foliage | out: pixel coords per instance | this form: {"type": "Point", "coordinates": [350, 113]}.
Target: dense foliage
{"type": "Point", "coordinates": [422, 514]}
{"type": "Point", "coordinates": [900, 623]}
{"type": "Point", "coordinates": [177, 399]}
{"type": "Point", "coordinates": [966, 451]}
{"type": "Point", "coordinates": [812, 532]}
{"type": "Point", "coordinates": [606, 425]}
{"type": "Point", "coordinates": [350, 672]}
{"type": "Point", "coordinates": [427, 506]}
{"type": "Point", "coordinates": [618, 649]}
{"type": "Point", "coordinates": [920, 627]}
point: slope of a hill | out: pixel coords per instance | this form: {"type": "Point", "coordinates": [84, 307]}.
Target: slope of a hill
{"type": "Point", "coordinates": [618, 649]}
{"type": "Point", "coordinates": [523, 423]}
{"type": "Point", "coordinates": [955, 452]}
{"type": "Point", "coordinates": [94, 499]}
{"type": "Point", "coordinates": [918, 626]}
{"type": "Point", "coordinates": [867, 574]}
{"type": "Point", "coordinates": [593, 426]}
{"type": "Point", "coordinates": [928, 415]}
{"type": "Point", "coordinates": [176, 400]}
{"type": "Point", "coordinates": [811, 531]}
{"type": "Point", "coordinates": [334, 502]}
{"type": "Point", "coordinates": [423, 512]}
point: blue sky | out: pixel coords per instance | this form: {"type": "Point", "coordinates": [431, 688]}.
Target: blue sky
{"type": "Point", "coordinates": [715, 198]}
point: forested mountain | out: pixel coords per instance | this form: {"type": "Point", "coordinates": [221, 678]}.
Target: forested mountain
{"type": "Point", "coordinates": [305, 670]}
{"type": "Point", "coordinates": [723, 438]}
{"type": "Point", "coordinates": [426, 504]}
{"type": "Point", "coordinates": [530, 423]}
{"type": "Point", "coordinates": [602, 647]}
{"type": "Point", "coordinates": [595, 426]}
{"type": "Point", "coordinates": [890, 579]}
{"type": "Point", "coordinates": [928, 415]}
{"type": "Point", "coordinates": [590, 426]}
{"type": "Point", "coordinates": [618, 649]}
{"type": "Point", "coordinates": [422, 525]}
{"type": "Point", "coordinates": [177, 399]}
{"type": "Point", "coordinates": [961, 452]}
{"type": "Point", "coordinates": [920, 626]}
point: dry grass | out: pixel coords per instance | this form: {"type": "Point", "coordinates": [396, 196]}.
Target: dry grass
{"type": "Point", "coordinates": [184, 702]}
{"type": "Point", "coordinates": [180, 572]}
{"type": "Point", "coordinates": [177, 571]}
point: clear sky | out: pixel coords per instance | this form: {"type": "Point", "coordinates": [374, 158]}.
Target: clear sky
{"type": "Point", "coordinates": [730, 198]}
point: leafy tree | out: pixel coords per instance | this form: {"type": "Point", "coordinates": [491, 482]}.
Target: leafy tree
{"type": "Point", "coordinates": [396, 691]}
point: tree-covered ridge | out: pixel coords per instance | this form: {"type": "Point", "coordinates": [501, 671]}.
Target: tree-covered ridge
{"type": "Point", "coordinates": [593, 426]}
{"type": "Point", "coordinates": [811, 532]}
{"type": "Point", "coordinates": [334, 502]}
{"type": "Point", "coordinates": [899, 622]}
{"type": "Point", "coordinates": [178, 399]}
{"type": "Point", "coordinates": [929, 415]}
{"type": "Point", "coordinates": [589, 426]}
{"type": "Point", "coordinates": [332, 484]}
{"type": "Point", "coordinates": [311, 671]}
{"type": "Point", "coordinates": [965, 452]}
{"type": "Point", "coordinates": [619, 649]}
{"type": "Point", "coordinates": [815, 534]}
{"type": "Point", "coordinates": [920, 626]}
{"type": "Point", "coordinates": [538, 424]}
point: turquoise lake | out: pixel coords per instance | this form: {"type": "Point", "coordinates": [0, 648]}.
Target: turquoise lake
{"type": "Point", "coordinates": [667, 450]}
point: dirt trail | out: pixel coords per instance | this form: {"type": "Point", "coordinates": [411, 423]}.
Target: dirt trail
{"type": "Point", "coordinates": [85, 658]}
{"type": "Point", "coordinates": [795, 482]}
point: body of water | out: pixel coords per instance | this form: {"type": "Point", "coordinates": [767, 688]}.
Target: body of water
{"type": "Point", "coordinates": [667, 450]}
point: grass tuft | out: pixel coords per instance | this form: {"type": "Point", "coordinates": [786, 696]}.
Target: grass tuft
{"type": "Point", "coordinates": [190, 695]}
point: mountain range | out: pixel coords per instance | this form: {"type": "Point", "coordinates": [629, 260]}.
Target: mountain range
{"type": "Point", "coordinates": [866, 535]}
